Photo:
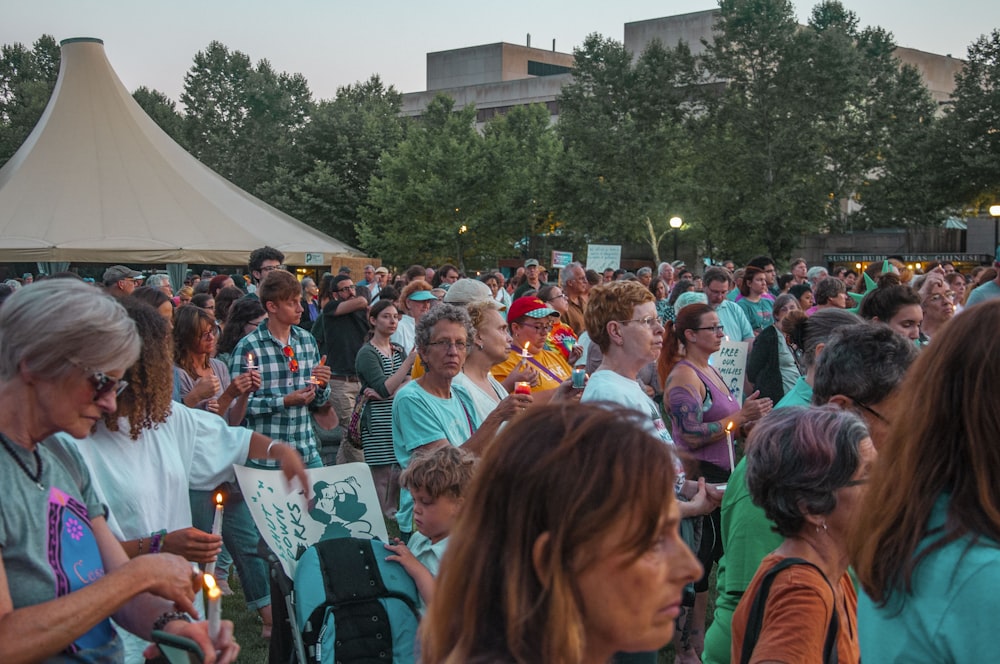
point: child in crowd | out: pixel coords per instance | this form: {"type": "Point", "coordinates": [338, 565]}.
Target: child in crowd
{"type": "Point", "coordinates": [438, 480]}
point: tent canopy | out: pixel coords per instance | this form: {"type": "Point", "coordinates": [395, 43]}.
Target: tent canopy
{"type": "Point", "coordinates": [98, 181]}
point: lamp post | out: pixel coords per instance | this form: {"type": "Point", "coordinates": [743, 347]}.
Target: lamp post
{"type": "Point", "coordinates": [995, 213]}
{"type": "Point", "coordinates": [461, 259]}
{"type": "Point", "coordinates": [676, 223]}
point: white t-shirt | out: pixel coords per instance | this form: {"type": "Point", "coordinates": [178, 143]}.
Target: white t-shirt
{"type": "Point", "coordinates": [406, 333]}
{"type": "Point", "coordinates": [483, 402]}
{"type": "Point", "coordinates": [145, 482]}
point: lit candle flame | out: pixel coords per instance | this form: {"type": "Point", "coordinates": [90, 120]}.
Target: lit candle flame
{"type": "Point", "coordinates": [218, 499]}
{"type": "Point", "coordinates": [729, 427]}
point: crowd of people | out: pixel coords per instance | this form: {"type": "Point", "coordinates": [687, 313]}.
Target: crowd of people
{"type": "Point", "coordinates": [561, 456]}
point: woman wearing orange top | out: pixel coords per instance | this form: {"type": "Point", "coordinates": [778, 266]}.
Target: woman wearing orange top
{"type": "Point", "coordinates": [530, 321]}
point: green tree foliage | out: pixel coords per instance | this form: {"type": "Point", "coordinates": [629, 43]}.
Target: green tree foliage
{"type": "Point", "coordinates": [970, 142]}
{"type": "Point", "coordinates": [627, 153]}
{"type": "Point", "coordinates": [521, 151]}
{"type": "Point", "coordinates": [27, 78]}
{"type": "Point", "coordinates": [326, 181]}
{"type": "Point", "coordinates": [162, 110]}
{"type": "Point", "coordinates": [427, 189]}
{"type": "Point", "coordinates": [242, 120]}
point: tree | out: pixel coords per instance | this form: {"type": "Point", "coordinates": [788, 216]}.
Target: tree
{"type": "Point", "coordinates": [241, 120]}
{"type": "Point", "coordinates": [970, 138]}
{"type": "Point", "coordinates": [162, 110]}
{"type": "Point", "coordinates": [627, 152]}
{"type": "Point", "coordinates": [27, 78]}
{"type": "Point", "coordinates": [426, 190]}
{"type": "Point", "coordinates": [337, 154]}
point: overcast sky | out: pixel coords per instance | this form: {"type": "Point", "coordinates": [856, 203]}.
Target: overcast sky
{"type": "Point", "coordinates": [334, 43]}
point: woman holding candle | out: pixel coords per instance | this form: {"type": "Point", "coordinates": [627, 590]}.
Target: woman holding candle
{"type": "Point", "coordinates": [530, 321]}
{"type": "Point", "coordinates": [244, 317]}
{"type": "Point", "coordinates": [54, 378]}
{"type": "Point", "coordinates": [700, 406]}
{"type": "Point", "coordinates": [146, 457]}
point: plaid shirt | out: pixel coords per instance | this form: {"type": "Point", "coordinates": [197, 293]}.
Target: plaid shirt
{"type": "Point", "coordinates": [266, 411]}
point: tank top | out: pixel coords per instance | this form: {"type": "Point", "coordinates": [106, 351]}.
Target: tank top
{"type": "Point", "coordinates": [718, 405]}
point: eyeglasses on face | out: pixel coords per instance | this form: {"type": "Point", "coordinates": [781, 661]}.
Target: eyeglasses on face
{"type": "Point", "coordinates": [648, 321]}
{"type": "Point", "coordinates": [101, 382]}
{"type": "Point", "coordinates": [345, 289]}
{"type": "Point", "coordinates": [446, 345]}
{"type": "Point", "coordinates": [270, 268]}
{"type": "Point", "coordinates": [540, 328]}
{"type": "Point", "coordinates": [937, 297]}
{"type": "Point", "coordinates": [865, 407]}
{"type": "Point", "coordinates": [717, 329]}
{"type": "Point", "coordinates": [293, 364]}
{"type": "Point", "coordinates": [557, 297]}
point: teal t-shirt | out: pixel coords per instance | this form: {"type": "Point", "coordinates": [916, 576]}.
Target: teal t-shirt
{"type": "Point", "coordinates": [419, 418]}
{"type": "Point", "coordinates": [800, 395]}
{"type": "Point", "coordinates": [759, 313]}
{"type": "Point", "coordinates": [948, 616]}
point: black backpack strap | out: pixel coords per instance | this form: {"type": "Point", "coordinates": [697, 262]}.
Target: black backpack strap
{"type": "Point", "coordinates": [756, 618]}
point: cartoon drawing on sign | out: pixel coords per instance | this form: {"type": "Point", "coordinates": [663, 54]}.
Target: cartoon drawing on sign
{"type": "Point", "coordinates": [734, 386]}
{"type": "Point", "coordinates": [339, 508]}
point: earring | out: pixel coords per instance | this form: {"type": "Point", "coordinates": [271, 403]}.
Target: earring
{"type": "Point", "coordinates": [479, 346]}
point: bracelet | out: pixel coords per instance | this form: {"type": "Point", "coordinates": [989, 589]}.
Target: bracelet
{"type": "Point", "coordinates": [156, 541]}
{"type": "Point", "coordinates": [140, 546]}
{"type": "Point", "coordinates": [267, 455]}
{"type": "Point", "coordinates": [169, 616]}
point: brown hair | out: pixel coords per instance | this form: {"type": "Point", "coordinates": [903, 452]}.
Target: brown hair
{"type": "Point", "coordinates": [674, 340]}
{"type": "Point", "coordinates": [945, 444]}
{"type": "Point", "coordinates": [278, 286]}
{"type": "Point", "coordinates": [444, 471]}
{"type": "Point", "coordinates": [749, 272]}
{"type": "Point", "coordinates": [147, 400]}
{"type": "Point", "coordinates": [190, 323]}
{"type": "Point", "coordinates": [613, 301]}
{"type": "Point", "coordinates": [568, 471]}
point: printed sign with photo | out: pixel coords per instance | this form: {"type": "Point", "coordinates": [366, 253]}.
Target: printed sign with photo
{"type": "Point", "coordinates": [731, 361]}
{"type": "Point", "coordinates": [343, 503]}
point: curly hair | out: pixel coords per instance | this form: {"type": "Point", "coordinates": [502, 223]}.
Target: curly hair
{"type": "Point", "coordinates": [444, 471]}
{"type": "Point", "coordinates": [614, 301]}
{"type": "Point", "coordinates": [146, 403]}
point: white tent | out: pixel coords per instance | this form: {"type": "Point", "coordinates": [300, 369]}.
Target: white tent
{"type": "Point", "coordinates": [98, 181]}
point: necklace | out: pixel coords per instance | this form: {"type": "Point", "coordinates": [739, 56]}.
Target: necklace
{"type": "Point", "coordinates": [36, 477]}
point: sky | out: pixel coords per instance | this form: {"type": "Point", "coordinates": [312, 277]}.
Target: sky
{"type": "Point", "coordinates": [335, 43]}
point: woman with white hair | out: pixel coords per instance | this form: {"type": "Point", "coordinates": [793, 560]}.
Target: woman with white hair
{"type": "Point", "coordinates": [63, 575]}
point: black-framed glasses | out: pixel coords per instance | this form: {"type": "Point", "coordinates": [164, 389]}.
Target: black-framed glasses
{"type": "Point", "coordinates": [540, 328]}
{"type": "Point", "coordinates": [718, 329]}
{"type": "Point", "coordinates": [561, 295]}
{"type": "Point", "coordinates": [270, 268]}
{"type": "Point", "coordinates": [344, 289]}
{"type": "Point", "coordinates": [865, 407]}
{"type": "Point", "coordinates": [446, 345]}
{"type": "Point", "coordinates": [648, 321]}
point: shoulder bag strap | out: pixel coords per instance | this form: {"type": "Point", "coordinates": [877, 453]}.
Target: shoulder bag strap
{"type": "Point", "coordinates": [756, 618]}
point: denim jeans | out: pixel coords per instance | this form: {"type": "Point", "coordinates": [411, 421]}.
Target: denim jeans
{"type": "Point", "coordinates": [240, 536]}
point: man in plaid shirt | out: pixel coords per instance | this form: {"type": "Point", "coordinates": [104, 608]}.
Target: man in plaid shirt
{"type": "Point", "coordinates": [292, 375]}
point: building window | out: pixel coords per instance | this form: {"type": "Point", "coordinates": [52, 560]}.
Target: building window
{"type": "Point", "coordinates": [545, 69]}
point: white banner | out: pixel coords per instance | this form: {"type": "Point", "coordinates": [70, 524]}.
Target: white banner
{"type": "Point", "coordinates": [343, 504]}
{"type": "Point", "coordinates": [731, 361]}
{"type": "Point", "coordinates": [602, 256]}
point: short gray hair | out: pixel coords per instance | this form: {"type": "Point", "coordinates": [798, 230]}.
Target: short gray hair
{"type": "Point", "coordinates": [864, 362]}
{"type": "Point", "coordinates": [157, 280]}
{"type": "Point", "coordinates": [54, 324]}
{"type": "Point", "coordinates": [442, 312]}
{"type": "Point", "coordinates": [827, 288]}
{"type": "Point", "coordinates": [643, 270]}
{"type": "Point", "coordinates": [567, 271]}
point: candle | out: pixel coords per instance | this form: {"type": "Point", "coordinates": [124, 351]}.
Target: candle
{"type": "Point", "coordinates": [214, 607]}
{"type": "Point", "coordinates": [216, 528]}
{"type": "Point", "coordinates": [522, 387]}
{"type": "Point", "coordinates": [524, 351]}
{"type": "Point", "coordinates": [250, 365]}
{"type": "Point", "coordinates": [729, 445]}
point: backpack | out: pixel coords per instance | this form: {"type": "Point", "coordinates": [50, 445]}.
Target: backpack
{"type": "Point", "coordinates": [351, 605]}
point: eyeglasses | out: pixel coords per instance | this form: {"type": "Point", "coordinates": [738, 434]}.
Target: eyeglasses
{"type": "Point", "coordinates": [270, 268]}
{"type": "Point", "coordinates": [553, 299]}
{"type": "Point", "coordinates": [718, 329]}
{"type": "Point", "coordinates": [865, 407]}
{"type": "Point", "coordinates": [540, 328]}
{"type": "Point", "coordinates": [445, 345]}
{"type": "Point", "coordinates": [101, 382]}
{"type": "Point", "coordinates": [211, 334]}
{"type": "Point", "coordinates": [648, 321]}
{"type": "Point", "coordinates": [343, 289]}
{"type": "Point", "coordinates": [937, 297]}
{"type": "Point", "coordinates": [293, 364]}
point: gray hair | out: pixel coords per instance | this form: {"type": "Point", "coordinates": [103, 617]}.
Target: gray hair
{"type": "Point", "coordinates": [442, 312]}
{"type": "Point", "coordinates": [643, 271]}
{"type": "Point", "coordinates": [54, 324]}
{"type": "Point", "coordinates": [797, 458]}
{"type": "Point", "coordinates": [816, 272]}
{"type": "Point", "coordinates": [306, 283]}
{"type": "Point", "coordinates": [567, 271]}
{"type": "Point", "coordinates": [862, 362]}
{"type": "Point", "coordinates": [827, 288]}
{"type": "Point", "coordinates": [157, 280]}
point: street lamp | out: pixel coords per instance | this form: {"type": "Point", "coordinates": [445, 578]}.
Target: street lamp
{"type": "Point", "coordinates": [461, 259]}
{"type": "Point", "coordinates": [676, 223]}
{"type": "Point", "coordinates": [995, 213]}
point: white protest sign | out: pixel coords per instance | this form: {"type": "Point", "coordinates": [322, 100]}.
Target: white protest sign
{"type": "Point", "coordinates": [343, 504]}
{"type": "Point", "coordinates": [731, 361]}
{"type": "Point", "coordinates": [602, 256]}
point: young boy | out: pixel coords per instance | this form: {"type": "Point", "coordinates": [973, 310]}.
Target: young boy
{"type": "Point", "coordinates": [437, 480]}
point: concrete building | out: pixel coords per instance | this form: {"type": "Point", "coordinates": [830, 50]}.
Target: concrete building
{"type": "Point", "coordinates": [497, 77]}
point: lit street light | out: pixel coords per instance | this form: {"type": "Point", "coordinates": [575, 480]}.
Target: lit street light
{"type": "Point", "coordinates": [676, 223]}
{"type": "Point", "coordinates": [995, 213]}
